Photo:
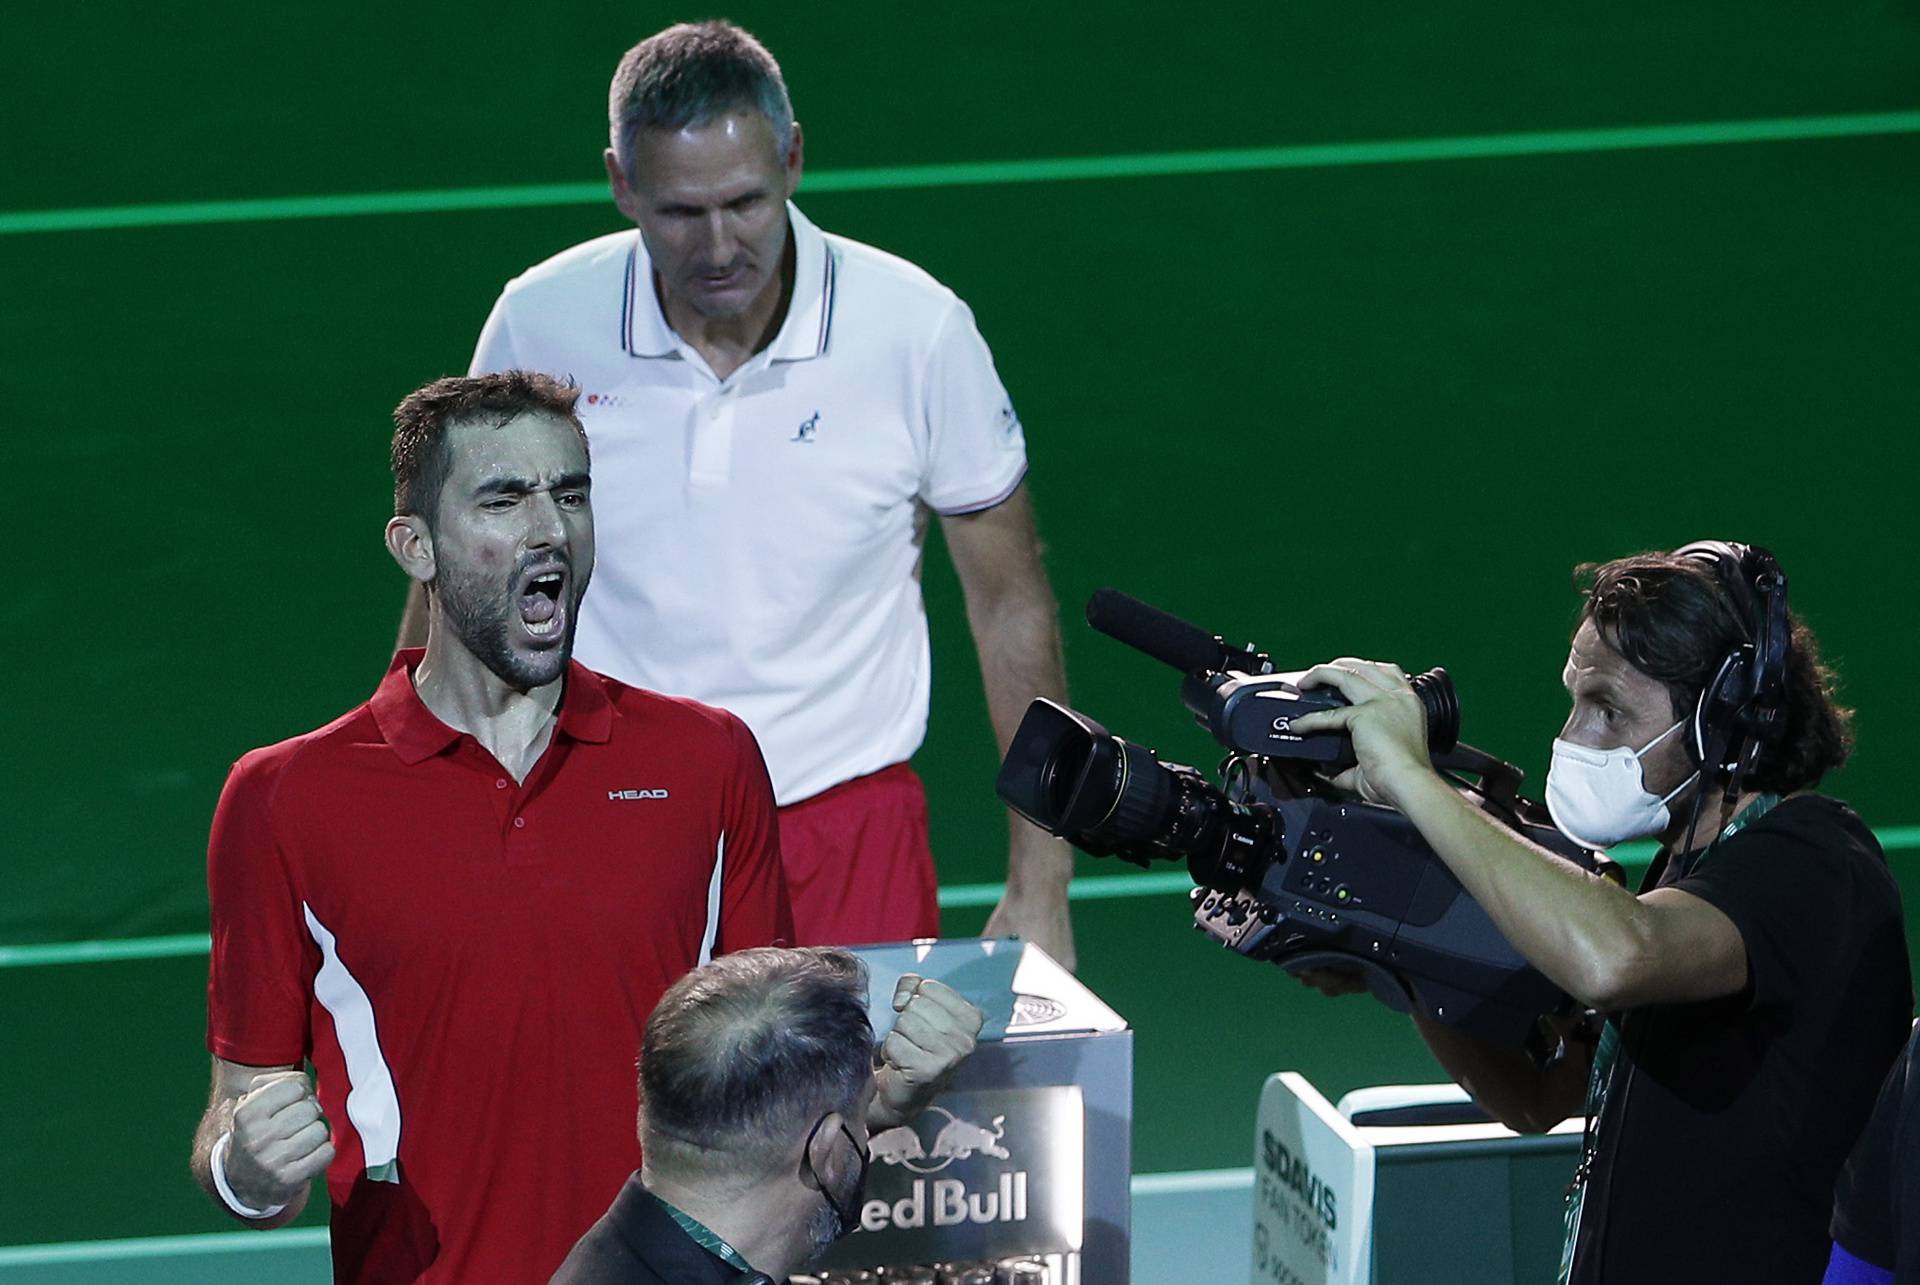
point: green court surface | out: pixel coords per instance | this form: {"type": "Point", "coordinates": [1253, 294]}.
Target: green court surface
{"type": "Point", "coordinates": [1345, 328]}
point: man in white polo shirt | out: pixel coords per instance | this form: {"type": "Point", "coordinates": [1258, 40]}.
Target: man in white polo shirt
{"type": "Point", "coordinates": [774, 412]}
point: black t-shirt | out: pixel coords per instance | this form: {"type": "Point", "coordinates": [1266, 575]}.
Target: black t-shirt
{"type": "Point", "coordinates": [1876, 1206]}
{"type": "Point", "coordinates": [1727, 1121]}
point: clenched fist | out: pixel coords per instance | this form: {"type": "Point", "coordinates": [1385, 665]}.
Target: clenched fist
{"type": "Point", "coordinates": [280, 1140]}
{"type": "Point", "coordinates": [932, 1036]}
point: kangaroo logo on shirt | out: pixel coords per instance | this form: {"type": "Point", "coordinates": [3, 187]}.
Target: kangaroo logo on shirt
{"type": "Point", "coordinates": [807, 429]}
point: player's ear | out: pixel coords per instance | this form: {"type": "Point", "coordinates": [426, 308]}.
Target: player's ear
{"type": "Point", "coordinates": [622, 187]}
{"type": "Point", "coordinates": [821, 1160]}
{"type": "Point", "coordinates": [411, 544]}
{"type": "Point", "coordinates": [794, 160]}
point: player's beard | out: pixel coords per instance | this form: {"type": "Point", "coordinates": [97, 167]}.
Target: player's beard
{"type": "Point", "coordinates": [483, 616]}
{"type": "Point", "coordinates": [826, 1225]}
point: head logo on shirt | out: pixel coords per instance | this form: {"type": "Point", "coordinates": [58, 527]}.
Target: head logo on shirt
{"type": "Point", "coordinates": [808, 427]}
{"type": "Point", "coordinates": [1009, 422]}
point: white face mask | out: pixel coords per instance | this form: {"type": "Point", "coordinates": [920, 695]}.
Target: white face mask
{"type": "Point", "coordinates": [1599, 797]}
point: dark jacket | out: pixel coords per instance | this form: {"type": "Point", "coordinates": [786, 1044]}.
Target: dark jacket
{"type": "Point", "coordinates": [636, 1242]}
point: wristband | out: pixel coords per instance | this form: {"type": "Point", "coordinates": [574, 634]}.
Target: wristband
{"type": "Point", "coordinates": [219, 1166]}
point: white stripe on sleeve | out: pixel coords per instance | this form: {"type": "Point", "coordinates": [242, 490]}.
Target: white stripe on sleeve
{"type": "Point", "coordinates": [372, 1104]}
{"type": "Point", "coordinates": [713, 900]}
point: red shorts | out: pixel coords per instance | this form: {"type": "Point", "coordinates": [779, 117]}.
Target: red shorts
{"type": "Point", "coordinates": [859, 868]}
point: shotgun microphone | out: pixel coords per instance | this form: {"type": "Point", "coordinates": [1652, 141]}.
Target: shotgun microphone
{"type": "Point", "coordinates": [1167, 638]}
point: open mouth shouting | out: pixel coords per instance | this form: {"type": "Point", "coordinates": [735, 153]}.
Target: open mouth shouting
{"type": "Point", "coordinates": [543, 602]}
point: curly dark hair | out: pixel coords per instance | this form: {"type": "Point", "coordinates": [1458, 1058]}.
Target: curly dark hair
{"type": "Point", "coordinates": [419, 453]}
{"type": "Point", "coordinates": [1673, 619]}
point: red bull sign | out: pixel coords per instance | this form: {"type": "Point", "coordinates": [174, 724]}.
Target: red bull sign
{"type": "Point", "coordinates": [977, 1175]}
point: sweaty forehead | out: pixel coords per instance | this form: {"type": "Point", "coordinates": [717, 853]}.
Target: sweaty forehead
{"type": "Point", "coordinates": [732, 151]}
{"type": "Point", "coordinates": [536, 446]}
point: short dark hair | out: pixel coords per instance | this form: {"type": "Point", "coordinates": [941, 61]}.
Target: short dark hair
{"type": "Point", "coordinates": [1674, 620]}
{"type": "Point", "coordinates": [420, 457]}
{"type": "Point", "coordinates": [743, 1054]}
{"type": "Point", "coordinates": [690, 74]}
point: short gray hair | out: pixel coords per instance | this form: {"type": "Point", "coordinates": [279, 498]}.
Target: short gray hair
{"type": "Point", "coordinates": [691, 74]}
{"type": "Point", "coordinates": [742, 1055]}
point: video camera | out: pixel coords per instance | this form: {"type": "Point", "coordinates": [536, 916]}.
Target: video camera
{"type": "Point", "coordinates": [1289, 868]}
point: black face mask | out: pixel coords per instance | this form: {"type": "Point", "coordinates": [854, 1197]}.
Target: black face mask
{"type": "Point", "coordinates": [848, 1218]}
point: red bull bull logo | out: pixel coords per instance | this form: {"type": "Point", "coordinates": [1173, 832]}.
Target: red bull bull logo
{"type": "Point", "coordinates": [945, 1202]}
{"type": "Point", "coordinates": [958, 1139]}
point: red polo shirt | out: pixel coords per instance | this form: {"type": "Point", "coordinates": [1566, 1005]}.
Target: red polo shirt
{"type": "Point", "coordinates": [469, 961]}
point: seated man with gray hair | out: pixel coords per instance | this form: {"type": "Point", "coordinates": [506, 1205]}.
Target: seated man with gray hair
{"type": "Point", "coordinates": [759, 1085]}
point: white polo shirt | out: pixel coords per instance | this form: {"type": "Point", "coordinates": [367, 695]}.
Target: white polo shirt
{"type": "Point", "coordinates": [759, 537]}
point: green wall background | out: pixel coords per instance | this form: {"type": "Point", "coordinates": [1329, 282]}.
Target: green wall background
{"type": "Point", "coordinates": [1378, 410]}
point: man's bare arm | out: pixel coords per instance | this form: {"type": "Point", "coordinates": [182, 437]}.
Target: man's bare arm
{"type": "Point", "coordinates": [277, 1140]}
{"type": "Point", "coordinates": [1506, 1083]}
{"type": "Point", "coordinates": [1016, 631]}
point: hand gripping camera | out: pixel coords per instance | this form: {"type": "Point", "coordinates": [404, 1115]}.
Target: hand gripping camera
{"type": "Point", "coordinates": [1288, 868]}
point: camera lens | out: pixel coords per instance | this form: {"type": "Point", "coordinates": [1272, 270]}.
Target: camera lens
{"type": "Point", "coordinates": [1073, 778]}
{"type": "Point", "coordinates": [1056, 784]}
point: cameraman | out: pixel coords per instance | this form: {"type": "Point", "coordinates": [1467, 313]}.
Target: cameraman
{"type": "Point", "coordinates": [1756, 989]}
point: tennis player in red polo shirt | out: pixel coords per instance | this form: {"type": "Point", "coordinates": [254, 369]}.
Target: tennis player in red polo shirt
{"type": "Point", "coordinates": [461, 900]}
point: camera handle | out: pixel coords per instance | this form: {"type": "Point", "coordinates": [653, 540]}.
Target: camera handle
{"type": "Point", "coordinates": [1499, 781]}
{"type": "Point", "coordinates": [1382, 982]}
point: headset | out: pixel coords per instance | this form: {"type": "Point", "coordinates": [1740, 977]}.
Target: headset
{"type": "Point", "coordinates": [1743, 707]}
